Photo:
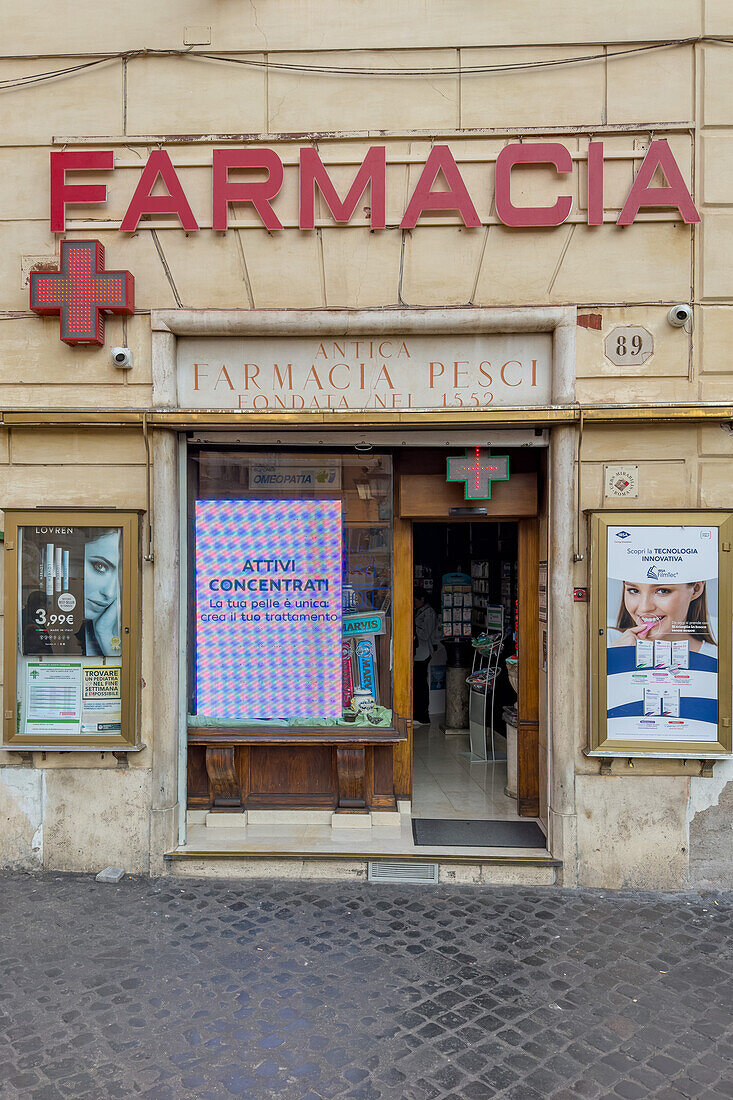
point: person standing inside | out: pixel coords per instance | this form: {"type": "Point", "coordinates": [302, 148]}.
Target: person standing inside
{"type": "Point", "coordinates": [425, 641]}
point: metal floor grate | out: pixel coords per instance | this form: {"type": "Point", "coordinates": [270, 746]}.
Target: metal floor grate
{"type": "Point", "coordinates": [410, 871]}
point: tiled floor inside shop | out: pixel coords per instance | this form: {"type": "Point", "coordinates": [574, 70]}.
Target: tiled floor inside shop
{"type": "Point", "coordinates": [446, 782]}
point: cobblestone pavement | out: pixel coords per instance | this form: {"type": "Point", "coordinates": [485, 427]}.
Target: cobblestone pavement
{"type": "Point", "coordinates": [302, 990]}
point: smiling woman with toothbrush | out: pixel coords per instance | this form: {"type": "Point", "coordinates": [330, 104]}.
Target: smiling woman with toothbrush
{"type": "Point", "coordinates": [665, 612]}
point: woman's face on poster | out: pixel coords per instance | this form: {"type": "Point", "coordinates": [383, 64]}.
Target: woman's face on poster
{"type": "Point", "coordinates": [664, 605]}
{"type": "Point", "coordinates": [101, 568]}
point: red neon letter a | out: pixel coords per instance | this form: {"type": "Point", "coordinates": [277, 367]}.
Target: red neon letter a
{"type": "Point", "coordinates": [144, 202]}
{"type": "Point", "coordinates": [258, 192]}
{"type": "Point", "coordinates": [457, 198]}
{"type": "Point", "coordinates": [659, 155]}
{"type": "Point", "coordinates": [313, 173]}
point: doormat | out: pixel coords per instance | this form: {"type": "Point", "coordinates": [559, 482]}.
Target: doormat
{"type": "Point", "coordinates": [460, 833]}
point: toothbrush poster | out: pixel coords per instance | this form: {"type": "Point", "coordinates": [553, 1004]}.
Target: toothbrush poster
{"type": "Point", "coordinates": [662, 633]}
{"type": "Point", "coordinates": [70, 591]}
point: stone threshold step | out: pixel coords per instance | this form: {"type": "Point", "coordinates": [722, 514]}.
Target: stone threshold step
{"type": "Point", "coordinates": [522, 871]}
{"type": "Point", "coordinates": [238, 819]}
{"type": "Point", "coordinates": [423, 856]}
{"type": "Point", "coordinates": [385, 819]}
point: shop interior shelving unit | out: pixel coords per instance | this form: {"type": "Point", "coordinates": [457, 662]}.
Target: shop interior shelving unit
{"type": "Point", "coordinates": [486, 655]}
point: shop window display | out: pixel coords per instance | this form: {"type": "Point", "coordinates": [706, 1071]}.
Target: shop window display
{"type": "Point", "coordinates": [290, 590]}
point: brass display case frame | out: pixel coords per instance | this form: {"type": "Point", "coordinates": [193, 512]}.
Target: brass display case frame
{"type": "Point", "coordinates": [599, 744]}
{"type": "Point", "coordinates": [129, 522]}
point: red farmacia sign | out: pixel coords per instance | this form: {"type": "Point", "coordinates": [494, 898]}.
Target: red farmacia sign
{"type": "Point", "coordinates": [82, 291]}
{"type": "Point", "coordinates": [228, 189]}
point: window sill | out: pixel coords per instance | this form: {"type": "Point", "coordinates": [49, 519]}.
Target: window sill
{"type": "Point", "coordinates": [300, 735]}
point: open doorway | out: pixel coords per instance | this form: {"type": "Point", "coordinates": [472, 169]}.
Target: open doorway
{"type": "Point", "coordinates": [465, 755]}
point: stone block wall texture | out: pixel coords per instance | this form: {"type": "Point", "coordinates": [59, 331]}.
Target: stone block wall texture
{"type": "Point", "coordinates": [682, 93]}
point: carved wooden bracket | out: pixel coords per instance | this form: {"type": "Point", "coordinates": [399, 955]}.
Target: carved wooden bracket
{"type": "Point", "coordinates": [351, 770]}
{"type": "Point", "coordinates": [381, 796]}
{"type": "Point", "coordinates": [223, 780]}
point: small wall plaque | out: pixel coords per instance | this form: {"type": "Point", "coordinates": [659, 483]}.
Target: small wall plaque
{"type": "Point", "coordinates": [621, 480]}
{"type": "Point", "coordinates": [629, 345]}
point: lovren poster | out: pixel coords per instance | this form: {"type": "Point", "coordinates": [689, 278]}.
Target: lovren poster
{"type": "Point", "coordinates": [70, 591]}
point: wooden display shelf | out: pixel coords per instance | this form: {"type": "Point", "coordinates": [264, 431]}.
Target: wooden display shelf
{"type": "Point", "coordinates": [366, 523]}
{"type": "Point", "coordinates": [298, 735]}
{"type": "Point", "coordinates": [345, 770]}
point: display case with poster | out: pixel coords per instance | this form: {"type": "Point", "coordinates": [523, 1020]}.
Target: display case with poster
{"type": "Point", "coordinates": [660, 672]}
{"type": "Point", "coordinates": [290, 581]}
{"type": "Point", "coordinates": [71, 615]}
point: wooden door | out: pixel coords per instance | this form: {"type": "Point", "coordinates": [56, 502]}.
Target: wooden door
{"type": "Point", "coordinates": [528, 726]}
{"type": "Point", "coordinates": [402, 649]}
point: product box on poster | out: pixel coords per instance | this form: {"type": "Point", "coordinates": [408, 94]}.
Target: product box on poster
{"type": "Point", "coordinates": [72, 663]}
{"type": "Point", "coordinates": [660, 652]}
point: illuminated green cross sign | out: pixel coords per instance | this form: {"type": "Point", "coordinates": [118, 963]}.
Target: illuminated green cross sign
{"type": "Point", "coordinates": [478, 468]}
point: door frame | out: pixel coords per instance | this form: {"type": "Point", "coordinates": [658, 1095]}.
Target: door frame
{"type": "Point", "coordinates": [528, 746]}
{"type": "Point", "coordinates": [169, 778]}
{"type": "Point", "coordinates": [402, 584]}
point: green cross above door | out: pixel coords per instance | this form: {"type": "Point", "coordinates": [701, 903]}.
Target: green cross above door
{"type": "Point", "coordinates": [478, 468]}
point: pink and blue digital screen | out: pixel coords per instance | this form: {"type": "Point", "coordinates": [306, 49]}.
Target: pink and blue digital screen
{"type": "Point", "coordinates": [268, 608]}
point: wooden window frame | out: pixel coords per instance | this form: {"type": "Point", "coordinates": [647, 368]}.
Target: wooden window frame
{"type": "Point", "coordinates": [599, 744]}
{"type": "Point", "coordinates": [254, 734]}
{"type": "Point", "coordinates": [129, 522]}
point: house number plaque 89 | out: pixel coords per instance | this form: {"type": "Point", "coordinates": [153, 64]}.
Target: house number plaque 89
{"type": "Point", "coordinates": [628, 345]}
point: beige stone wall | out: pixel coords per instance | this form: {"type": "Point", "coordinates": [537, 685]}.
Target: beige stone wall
{"type": "Point", "coordinates": [349, 24]}
{"type": "Point", "coordinates": [680, 93]}
{"type": "Point", "coordinates": [710, 821]}
{"type": "Point", "coordinates": [649, 803]}
{"type": "Point", "coordinates": [627, 276]}
{"type": "Point", "coordinates": [42, 821]}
